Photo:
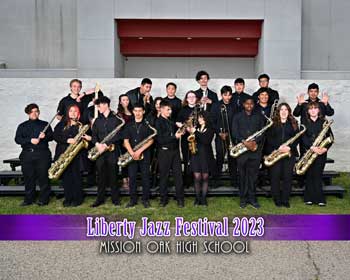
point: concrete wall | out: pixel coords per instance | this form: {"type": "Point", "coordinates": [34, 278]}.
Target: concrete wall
{"type": "Point", "coordinates": [48, 92]}
{"type": "Point", "coordinates": [325, 39]}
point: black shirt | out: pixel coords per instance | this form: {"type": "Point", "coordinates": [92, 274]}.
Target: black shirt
{"type": "Point", "coordinates": [184, 113]}
{"type": "Point", "coordinates": [175, 104]}
{"type": "Point", "coordinates": [135, 96]}
{"type": "Point", "coordinates": [273, 95]}
{"type": "Point", "coordinates": [166, 133]}
{"type": "Point", "coordinates": [301, 110]}
{"type": "Point", "coordinates": [210, 94]}
{"type": "Point", "coordinates": [31, 129]}
{"type": "Point", "coordinates": [67, 101]}
{"type": "Point", "coordinates": [313, 129]}
{"type": "Point", "coordinates": [103, 126]}
{"type": "Point", "coordinates": [61, 134]}
{"type": "Point", "coordinates": [238, 100]}
{"type": "Point", "coordinates": [219, 120]}
{"type": "Point", "coordinates": [263, 110]}
{"type": "Point", "coordinates": [279, 134]}
{"type": "Point", "coordinates": [136, 132]}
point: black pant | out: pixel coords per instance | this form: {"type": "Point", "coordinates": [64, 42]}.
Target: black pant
{"type": "Point", "coordinates": [170, 159]}
{"type": "Point", "coordinates": [144, 166]}
{"type": "Point", "coordinates": [282, 171]}
{"type": "Point", "coordinates": [220, 157]}
{"type": "Point", "coordinates": [313, 185]}
{"type": "Point", "coordinates": [248, 168]}
{"type": "Point", "coordinates": [72, 182]}
{"type": "Point", "coordinates": [34, 167]}
{"type": "Point", "coordinates": [187, 178]}
{"type": "Point", "coordinates": [107, 168]}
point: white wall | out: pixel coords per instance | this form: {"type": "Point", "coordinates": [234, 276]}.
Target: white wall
{"type": "Point", "coordinates": [48, 92]}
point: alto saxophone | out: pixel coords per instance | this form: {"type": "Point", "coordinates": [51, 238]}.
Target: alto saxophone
{"type": "Point", "coordinates": [94, 153]}
{"type": "Point", "coordinates": [66, 158]}
{"type": "Point", "coordinates": [309, 157]}
{"type": "Point", "coordinates": [277, 155]}
{"type": "Point", "coordinates": [240, 148]}
{"type": "Point", "coordinates": [126, 158]}
{"type": "Point", "coordinates": [191, 139]}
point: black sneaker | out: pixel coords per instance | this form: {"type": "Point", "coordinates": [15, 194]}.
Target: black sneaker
{"type": "Point", "coordinates": [286, 204]}
{"type": "Point", "coordinates": [131, 204]}
{"type": "Point", "coordinates": [116, 203]}
{"type": "Point", "coordinates": [204, 201]}
{"type": "Point", "coordinates": [308, 203]}
{"type": "Point", "coordinates": [26, 203]}
{"type": "Point", "coordinates": [66, 203]}
{"type": "Point", "coordinates": [146, 204]}
{"type": "Point", "coordinates": [322, 204]}
{"type": "Point", "coordinates": [196, 202]}
{"type": "Point", "coordinates": [243, 205]}
{"type": "Point", "coordinates": [163, 203]}
{"type": "Point", "coordinates": [180, 203]}
{"type": "Point", "coordinates": [278, 203]}
{"type": "Point", "coordinates": [97, 204]}
{"type": "Point", "coordinates": [40, 203]}
{"type": "Point", "coordinates": [255, 205]}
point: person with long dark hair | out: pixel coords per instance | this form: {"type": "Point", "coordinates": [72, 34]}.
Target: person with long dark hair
{"type": "Point", "coordinates": [64, 134]}
{"type": "Point", "coordinates": [200, 162]}
{"type": "Point", "coordinates": [284, 127]}
{"type": "Point", "coordinates": [313, 184]}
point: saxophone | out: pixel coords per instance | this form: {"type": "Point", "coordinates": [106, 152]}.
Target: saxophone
{"type": "Point", "coordinates": [93, 152]}
{"type": "Point", "coordinates": [276, 155]}
{"type": "Point", "coordinates": [309, 157]}
{"type": "Point", "coordinates": [126, 158]}
{"type": "Point", "coordinates": [191, 139]}
{"type": "Point", "coordinates": [65, 159]}
{"type": "Point", "coordinates": [240, 148]}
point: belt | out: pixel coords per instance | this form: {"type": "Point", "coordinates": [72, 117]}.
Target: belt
{"type": "Point", "coordinates": [31, 150]}
{"type": "Point", "coordinates": [169, 148]}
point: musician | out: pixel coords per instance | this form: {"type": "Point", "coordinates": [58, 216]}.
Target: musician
{"type": "Point", "coordinates": [168, 155]}
{"type": "Point", "coordinates": [125, 112]}
{"type": "Point", "coordinates": [245, 124]}
{"type": "Point", "coordinates": [263, 105]}
{"type": "Point", "coordinates": [313, 91]}
{"type": "Point", "coordinates": [142, 95]}
{"type": "Point", "coordinates": [222, 125]}
{"type": "Point", "coordinates": [206, 96]}
{"type": "Point", "coordinates": [75, 97]}
{"type": "Point", "coordinates": [64, 134]}
{"type": "Point", "coordinates": [135, 132]}
{"type": "Point", "coordinates": [35, 156]}
{"type": "Point", "coordinates": [174, 101]}
{"type": "Point", "coordinates": [264, 81]}
{"type": "Point", "coordinates": [188, 106]}
{"type": "Point", "coordinates": [284, 127]}
{"type": "Point", "coordinates": [313, 186]}
{"type": "Point", "coordinates": [106, 163]}
{"type": "Point", "coordinates": [239, 96]}
{"type": "Point", "coordinates": [155, 111]}
{"type": "Point", "coordinates": [200, 161]}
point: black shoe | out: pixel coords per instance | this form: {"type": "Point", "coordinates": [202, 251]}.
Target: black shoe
{"type": "Point", "coordinates": [40, 203]}
{"type": "Point", "coordinates": [66, 203]}
{"type": "Point", "coordinates": [278, 203]}
{"type": "Point", "coordinates": [243, 205]}
{"type": "Point", "coordinates": [131, 204]}
{"type": "Point", "coordinates": [180, 203]}
{"type": "Point", "coordinates": [322, 204]}
{"type": "Point", "coordinates": [146, 204]}
{"type": "Point", "coordinates": [26, 203]}
{"type": "Point", "coordinates": [204, 201]}
{"type": "Point", "coordinates": [163, 203]}
{"type": "Point", "coordinates": [196, 202]}
{"type": "Point", "coordinates": [97, 204]}
{"type": "Point", "coordinates": [255, 205]}
{"type": "Point", "coordinates": [286, 204]}
{"type": "Point", "coordinates": [116, 203]}
{"type": "Point", "coordinates": [75, 204]}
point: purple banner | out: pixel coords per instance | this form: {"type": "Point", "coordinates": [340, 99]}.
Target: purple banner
{"type": "Point", "coordinates": [74, 227]}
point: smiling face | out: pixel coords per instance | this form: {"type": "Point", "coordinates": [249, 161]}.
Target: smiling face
{"type": "Point", "coordinates": [165, 111]}
{"type": "Point", "coordinates": [170, 91]}
{"type": "Point", "coordinates": [102, 107]}
{"type": "Point", "coordinates": [239, 87]}
{"type": "Point", "coordinates": [138, 112]}
{"type": "Point", "coordinates": [263, 97]}
{"type": "Point", "coordinates": [124, 101]}
{"type": "Point", "coordinates": [264, 82]}
{"type": "Point", "coordinates": [191, 98]}
{"type": "Point", "coordinates": [284, 112]}
{"type": "Point", "coordinates": [203, 81]}
{"type": "Point", "coordinates": [226, 97]}
{"type": "Point", "coordinates": [146, 88]}
{"type": "Point", "coordinates": [73, 113]}
{"type": "Point", "coordinates": [313, 111]}
{"type": "Point", "coordinates": [201, 120]}
{"type": "Point", "coordinates": [75, 88]}
{"type": "Point", "coordinates": [34, 114]}
{"type": "Point", "coordinates": [248, 105]}
{"type": "Point", "coordinates": [157, 105]}
{"type": "Point", "coordinates": [313, 93]}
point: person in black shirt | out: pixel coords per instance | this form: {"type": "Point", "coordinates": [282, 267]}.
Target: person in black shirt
{"type": "Point", "coordinates": [35, 156]}
{"type": "Point", "coordinates": [75, 97]}
{"type": "Point", "coordinates": [155, 111]}
{"type": "Point", "coordinates": [264, 81]}
{"type": "Point", "coordinates": [142, 95]}
{"type": "Point", "coordinates": [189, 105]}
{"type": "Point", "coordinates": [284, 127]}
{"type": "Point", "coordinates": [245, 124]}
{"type": "Point", "coordinates": [222, 125]}
{"type": "Point", "coordinates": [313, 91]}
{"type": "Point", "coordinates": [64, 134]}
{"type": "Point", "coordinates": [263, 106]}
{"type": "Point", "coordinates": [239, 96]}
{"type": "Point", "coordinates": [168, 155]}
{"type": "Point", "coordinates": [106, 163]}
{"type": "Point", "coordinates": [206, 96]}
{"type": "Point", "coordinates": [313, 186]}
{"type": "Point", "coordinates": [134, 133]}
{"type": "Point", "coordinates": [201, 160]}
{"type": "Point", "coordinates": [173, 100]}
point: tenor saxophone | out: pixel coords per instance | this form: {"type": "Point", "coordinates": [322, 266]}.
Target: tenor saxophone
{"type": "Point", "coordinates": [277, 155]}
{"type": "Point", "coordinates": [309, 157]}
{"type": "Point", "coordinates": [240, 148]}
{"type": "Point", "coordinates": [60, 165]}
{"type": "Point", "coordinates": [126, 158]}
{"type": "Point", "coordinates": [94, 153]}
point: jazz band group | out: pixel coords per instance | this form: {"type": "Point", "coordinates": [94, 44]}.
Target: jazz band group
{"type": "Point", "coordinates": [249, 131]}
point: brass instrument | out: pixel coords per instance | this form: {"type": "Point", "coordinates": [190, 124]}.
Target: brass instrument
{"type": "Point", "coordinates": [276, 155]}
{"type": "Point", "coordinates": [126, 158]}
{"type": "Point", "coordinates": [240, 148]}
{"type": "Point", "coordinates": [97, 89]}
{"type": "Point", "coordinates": [60, 165]}
{"type": "Point", "coordinates": [94, 153]}
{"type": "Point", "coordinates": [273, 108]}
{"type": "Point", "coordinates": [191, 139]}
{"type": "Point", "coordinates": [224, 113]}
{"type": "Point", "coordinates": [309, 157]}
